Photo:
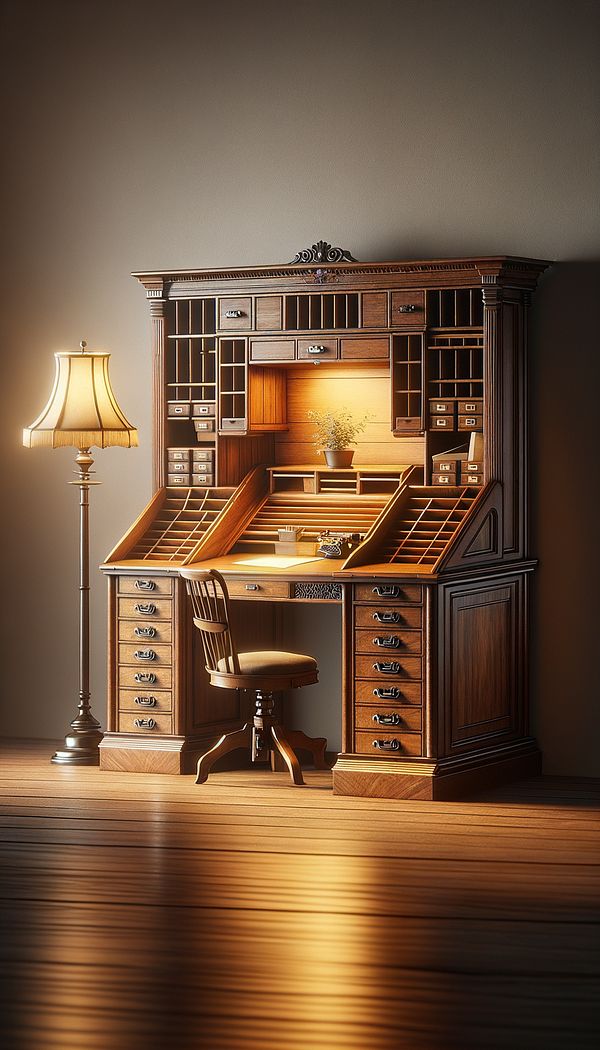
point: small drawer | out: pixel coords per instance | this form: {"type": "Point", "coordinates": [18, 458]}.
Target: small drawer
{"type": "Point", "coordinates": [179, 409]}
{"type": "Point", "coordinates": [258, 589]}
{"type": "Point", "coordinates": [145, 722]}
{"type": "Point", "coordinates": [145, 700]}
{"type": "Point", "coordinates": [179, 466]}
{"type": "Point", "coordinates": [406, 719]}
{"type": "Point", "coordinates": [472, 479]}
{"type": "Point", "coordinates": [272, 349]}
{"type": "Point", "coordinates": [203, 479]}
{"type": "Point", "coordinates": [407, 423]}
{"type": "Point", "coordinates": [233, 423]}
{"type": "Point", "coordinates": [145, 633]}
{"type": "Point", "coordinates": [387, 644]}
{"type": "Point", "coordinates": [396, 592]}
{"type": "Point", "coordinates": [178, 455]}
{"type": "Point", "coordinates": [362, 349]}
{"type": "Point", "coordinates": [446, 466]}
{"type": "Point", "coordinates": [470, 422]}
{"type": "Point", "coordinates": [472, 466]}
{"type": "Point", "coordinates": [203, 408]}
{"type": "Point", "coordinates": [471, 408]}
{"type": "Point", "coordinates": [389, 694]}
{"type": "Point", "coordinates": [443, 479]}
{"type": "Point", "coordinates": [204, 426]}
{"type": "Point", "coordinates": [317, 349]}
{"type": "Point", "coordinates": [146, 608]}
{"type": "Point", "coordinates": [388, 667]}
{"type": "Point", "coordinates": [183, 480]}
{"type": "Point", "coordinates": [145, 679]}
{"type": "Point", "coordinates": [442, 423]}
{"type": "Point", "coordinates": [235, 314]}
{"type": "Point", "coordinates": [408, 308]}
{"type": "Point", "coordinates": [384, 617]}
{"type": "Point", "coordinates": [144, 654]}
{"type": "Point", "coordinates": [145, 585]}
{"type": "Point", "coordinates": [386, 744]}
{"type": "Point", "coordinates": [441, 407]}
{"type": "Point", "coordinates": [203, 455]}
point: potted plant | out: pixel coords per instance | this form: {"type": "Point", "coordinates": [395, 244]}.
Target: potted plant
{"type": "Point", "coordinates": [335, 431]}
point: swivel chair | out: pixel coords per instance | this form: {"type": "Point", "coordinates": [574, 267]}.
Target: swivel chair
{"type": "Point", "coordinates": [263, 672]}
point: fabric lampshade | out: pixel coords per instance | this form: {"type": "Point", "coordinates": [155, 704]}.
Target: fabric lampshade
{"type": "Point", "coordinates": [82, 410]}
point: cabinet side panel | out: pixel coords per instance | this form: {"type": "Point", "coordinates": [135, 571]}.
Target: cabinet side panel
{"type": "Point", "coordinates": [483, 674]}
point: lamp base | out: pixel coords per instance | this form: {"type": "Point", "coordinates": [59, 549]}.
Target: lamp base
{"type": "Point", "coordinates": [81, 744]}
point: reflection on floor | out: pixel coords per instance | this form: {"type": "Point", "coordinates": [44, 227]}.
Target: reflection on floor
{"type": "Point", "coordinates": [144, 912]}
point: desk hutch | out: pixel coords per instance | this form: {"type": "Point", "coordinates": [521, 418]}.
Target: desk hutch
{"type": "Point", "coordinates": [434, 600]}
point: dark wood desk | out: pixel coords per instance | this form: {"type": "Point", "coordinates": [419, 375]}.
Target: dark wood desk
{"type": "Point", "coordinates": [435, 597]}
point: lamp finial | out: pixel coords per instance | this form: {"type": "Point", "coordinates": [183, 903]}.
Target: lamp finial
{"type": "Point", "coordinates": [83, 345]}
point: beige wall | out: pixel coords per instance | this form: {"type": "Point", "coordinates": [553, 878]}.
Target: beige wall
{"type": "Point", "coordinates": [147, 135]}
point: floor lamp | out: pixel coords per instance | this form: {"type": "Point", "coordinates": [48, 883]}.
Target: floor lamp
{"type": "Point", "coordinates": [82, 411]}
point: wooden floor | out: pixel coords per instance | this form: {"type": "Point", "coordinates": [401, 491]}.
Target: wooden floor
{"type": "Point", "coordinates": [144, 913]}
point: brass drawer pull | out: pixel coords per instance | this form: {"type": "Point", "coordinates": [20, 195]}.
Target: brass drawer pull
{"type": "Point", "coordinates": [145, 723]}
{"type": "Point", "coordinates": [387, 694]}
{"type": "Point", "coordinates": [387, 720]}
{"type": "Point", "coordinates": [145, 701]}
{"type": "Point", "coordinates": [387, 590]}
{"type": "Point", "coordinates": [145, 608]}
{"type": "Point", "coordinates": [316, 350]}
{"type": "Point", "coordinates": [409, 308]}
{"type": "Point", "coordinates": [144, 654]}
{"type": "Point", "coordinates": [145, 678]}
{"type": "Point", "coordinates": [391, 642]}
{"type": "Point", "coordinates": [387, 617]}
{"type": "Point", "coordinates": [251, 587]}
{"type": "Point", "coordinates": [388, 668]}
{"type": "Point", "coordinates": [144, 632]}
{"type": "Point", "coordinates": [387, 745]}
{"type": "Point", "coordinates": [233, 313]}
{"type": "Point", "coordinates": [145, 585]}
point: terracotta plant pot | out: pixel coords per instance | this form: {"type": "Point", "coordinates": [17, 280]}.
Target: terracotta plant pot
{"type": "Point", "coordinates": [339, 457]}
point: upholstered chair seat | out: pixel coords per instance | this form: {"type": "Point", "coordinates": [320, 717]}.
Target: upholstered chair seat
{"type": "Point", "coordinates": [263, 672]}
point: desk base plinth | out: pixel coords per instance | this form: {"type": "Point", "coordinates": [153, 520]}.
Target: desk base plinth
{"type": "Point", "coordinates": [128, 753]}
{"type": "Point", "coordinates": [436, 780]}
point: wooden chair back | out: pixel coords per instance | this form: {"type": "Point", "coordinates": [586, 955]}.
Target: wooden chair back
{"type": "Point", "coordinates": [210, 604]}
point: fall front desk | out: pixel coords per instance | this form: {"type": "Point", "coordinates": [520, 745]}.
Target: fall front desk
{"type": "Point", "coordinates": [434, 587]}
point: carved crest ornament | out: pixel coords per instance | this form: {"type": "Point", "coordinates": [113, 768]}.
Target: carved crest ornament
{"type": "Point", "coordinates": [322, 252]}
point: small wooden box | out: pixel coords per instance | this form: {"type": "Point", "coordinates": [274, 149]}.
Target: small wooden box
{"type": "Point", "coordinates": [202, 455]}
{"type": "Point", "coordinates": [471, 479]}
{"type": "Point", "coordinates": [181, 409]}
{"type": "Point", "coordinates": [203, 408]}
{"type": "Point", "coordinates": [408, 423]}
{"type": "Point", "coordinates": [474, 407]}
{"type": "Point", "coordinates": [470, 422]}
{"type": "Point", "coordinates": [178, 468]}
{"type": "Point", "coordinates": [441, 406]}
{"type": "Point", "coordinates": [204, 426]}
{"type": "Point", "coordinates": [440, 422]}
{"type": "Point", "coordinates": [178, 455]}
{"type": "Point", "coordinates": [443, 479]}
{"type": "Point", "coordinates": [178, 479]}
{"type": "Point", "coordinates": [446, 466]}
{"type": "Point", "coordinates": [203, 479]}
{"type": "Point", "coordinates": [235, 423]}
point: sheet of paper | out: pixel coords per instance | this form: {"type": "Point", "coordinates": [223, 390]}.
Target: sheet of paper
{"type": "Point", "coordinates": [275, 561]}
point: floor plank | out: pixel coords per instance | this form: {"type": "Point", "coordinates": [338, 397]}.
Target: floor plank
{"type": "Point", "coordinates": [141, 911]}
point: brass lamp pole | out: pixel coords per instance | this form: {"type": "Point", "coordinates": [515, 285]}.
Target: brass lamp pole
{"type": "Point", "coordinates": [82, 412]}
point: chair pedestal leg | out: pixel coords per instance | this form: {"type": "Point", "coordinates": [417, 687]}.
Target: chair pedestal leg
{"type": "Point", "coordinates": [242, 738]}
{"type": "Point", "coordinates": [279, 737]}
{"type": "Point", "coordinates": [314, 744]}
